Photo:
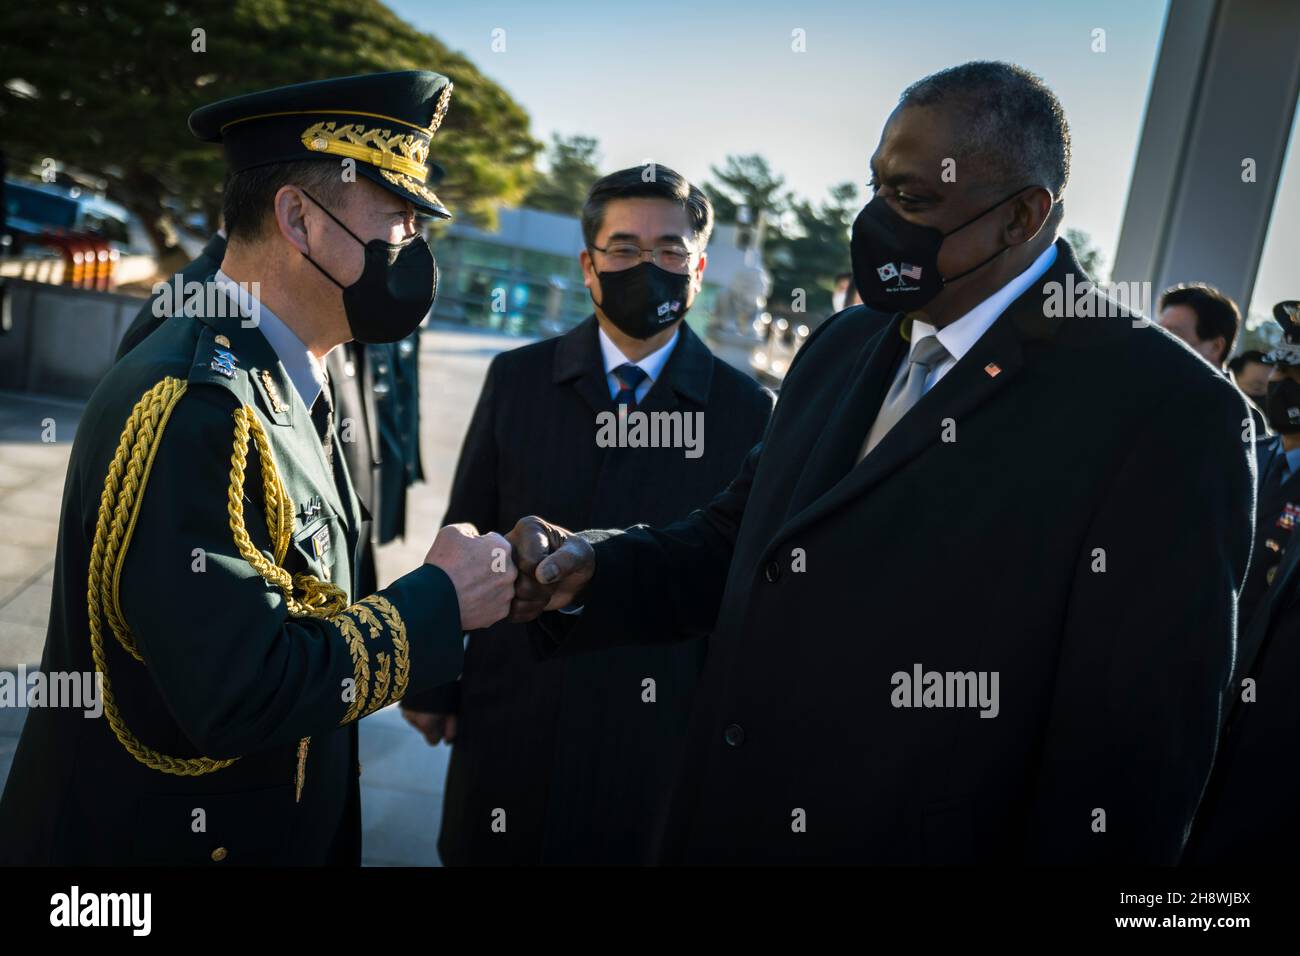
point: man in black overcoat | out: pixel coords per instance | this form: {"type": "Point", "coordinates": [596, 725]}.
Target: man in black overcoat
{"type": "Point", "coordinates": [569, 761]}
{"type": "Point", "coordinates": [973, 598]}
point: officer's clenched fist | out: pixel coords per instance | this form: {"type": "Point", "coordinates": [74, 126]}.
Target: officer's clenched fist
{"type": "Point", "coordinates": [481, 569]}
{"type": "Point", "coordinates": [554, 566]}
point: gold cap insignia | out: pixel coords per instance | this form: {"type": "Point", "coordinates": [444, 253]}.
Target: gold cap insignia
{"type": "Point", "coordinates": [440, 111]}
{"type": "Point", "coordinates": [411, 185]}
{"type": "Point", "coordinates": [383, 148]}
{"type": "Point", "coordinates": [222, 341]}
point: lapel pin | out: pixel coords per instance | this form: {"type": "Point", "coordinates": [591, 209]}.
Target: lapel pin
{"type": "Point", "coordinates": [992, 370]}
{"type": "Point", "coordinates": [273, 393]}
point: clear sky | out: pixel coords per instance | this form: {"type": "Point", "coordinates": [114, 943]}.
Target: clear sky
{"type": "Point", "coordinates": [685, 82]}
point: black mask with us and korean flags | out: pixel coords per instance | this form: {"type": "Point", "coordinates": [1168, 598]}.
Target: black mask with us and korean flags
{"type": "Point", "coordinates": [896, 262]}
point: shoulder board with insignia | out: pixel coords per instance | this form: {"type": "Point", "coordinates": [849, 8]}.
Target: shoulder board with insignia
{"type": "Point", "coordinates": [217, 363]}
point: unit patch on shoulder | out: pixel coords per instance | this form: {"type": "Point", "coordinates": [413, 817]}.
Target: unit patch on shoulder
{"type": "Point", "coordinates": [223, 361]}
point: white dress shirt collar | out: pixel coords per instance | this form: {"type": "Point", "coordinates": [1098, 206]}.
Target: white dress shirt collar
{"type": "Point", "coordinates": [304, 369]}
{"type": "Point", "coordinates": [652, 364]}
{"type": "Point", "coordinates": [960, 336]}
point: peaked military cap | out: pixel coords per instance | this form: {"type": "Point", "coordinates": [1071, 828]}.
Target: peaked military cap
{"type": "Point", "coordinates": [384, 121]}
{"type": "Point", "coordinates": [1287, 351]}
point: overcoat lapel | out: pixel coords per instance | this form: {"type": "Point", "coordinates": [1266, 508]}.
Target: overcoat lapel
{"type": "Point", "coordinates": [578, 360]}
{"type": "Point", "coordinates": [994, 361]}
{"type": "Point", "coordinates": [848, 413]}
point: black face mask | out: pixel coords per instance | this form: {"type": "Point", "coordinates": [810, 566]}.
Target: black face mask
{"type": "Point", "coordinates": [395, 290]}
{"type": "Point", "coordinates": [643, 300]}
{"type": "Point", "coordinates": [896, 262]}
{"type": "Point", "coordinates": [1282, 406]}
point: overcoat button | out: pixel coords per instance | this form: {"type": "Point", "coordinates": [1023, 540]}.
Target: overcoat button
{"type": "Point", "coordinates": [734, 735]}
{"type": "Point", "coordinates": [219, 854]}
{"type": "Point", "coordinates": [772, 572]}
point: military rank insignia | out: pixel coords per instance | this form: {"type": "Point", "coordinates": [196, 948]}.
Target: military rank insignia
{"type": "Point", "coordinates": [273, 393]}
{"type": "Point", "coordinates": [223, 362]}
{"type": "Point", "coordinates": [1287, 519]}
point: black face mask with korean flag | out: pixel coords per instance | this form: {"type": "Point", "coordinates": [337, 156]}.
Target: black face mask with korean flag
{"type": "Point", "coordinates": [1282, 406]}
{"type": "Point", "coordinates": [896, 262]}
{"type": "Point", "coordinates": [643, 300]}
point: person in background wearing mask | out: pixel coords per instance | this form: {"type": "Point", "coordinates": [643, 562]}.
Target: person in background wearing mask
{"type": "Point", "coordinates": [1250, 372]}
{"type": "Point", "coordinates": [1277, 464]}
{"type": "Point", "coordinates": [903, 534]}
{"type": "Point", "coordinates": [1248, 816]}
{"type": "Point", "coordinates": [577, 754]}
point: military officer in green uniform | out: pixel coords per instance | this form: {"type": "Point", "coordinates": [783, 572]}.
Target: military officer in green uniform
{"type": "Point", "coordinates": [205, 560]}
{"type": "Point", "coordinates": [376, 386]}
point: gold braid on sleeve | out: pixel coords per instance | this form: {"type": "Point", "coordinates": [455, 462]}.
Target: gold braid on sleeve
{"type": "Point", "coordinates": [304, 594]}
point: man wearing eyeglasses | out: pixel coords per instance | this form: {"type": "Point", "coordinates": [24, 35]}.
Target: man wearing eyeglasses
{"type": "Point", "coordinates": [568, 761]}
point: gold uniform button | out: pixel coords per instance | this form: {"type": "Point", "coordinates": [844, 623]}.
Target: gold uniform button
{"type": "Point", "coordinates": [222, 341]}
{"type": "Point", "coordinates": [219, 854]}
